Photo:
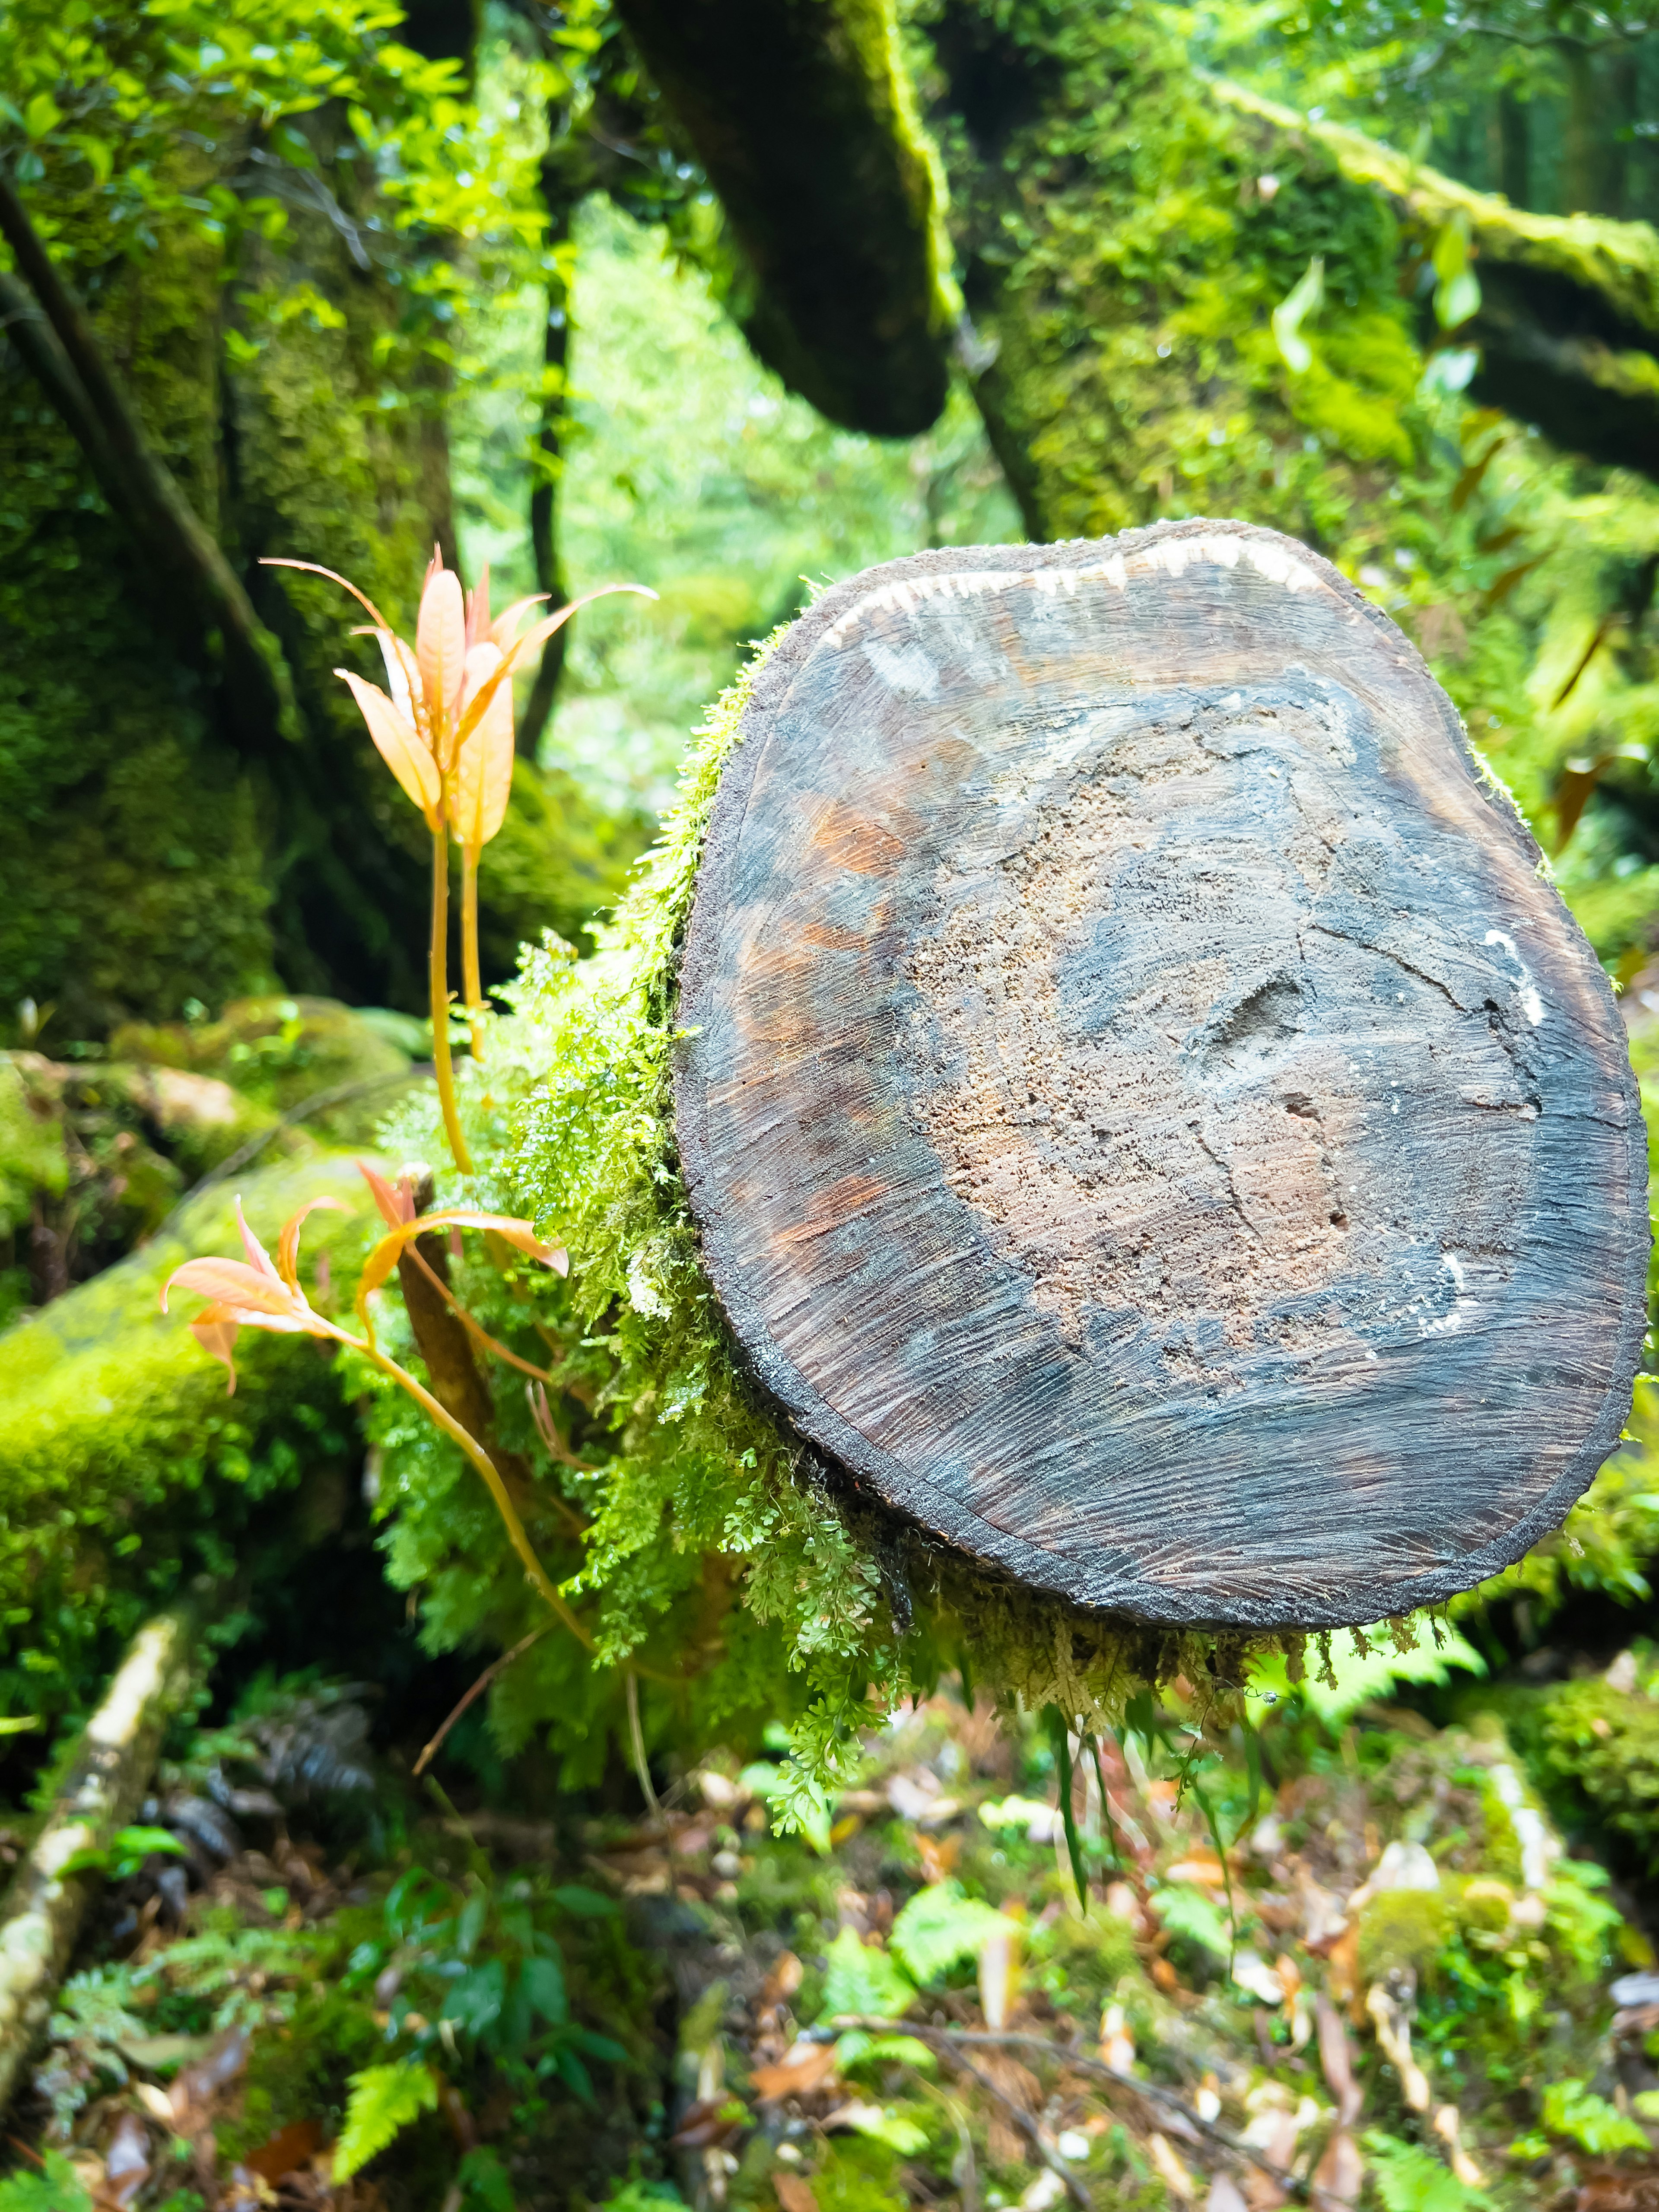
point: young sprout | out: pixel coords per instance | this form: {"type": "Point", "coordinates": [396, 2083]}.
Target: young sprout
{"type": "Point", "coordinates": [444, 727]}
{"type": "Point", "coordinates": [258, 1293]}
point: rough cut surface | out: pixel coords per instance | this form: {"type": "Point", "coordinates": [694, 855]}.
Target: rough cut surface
{"type": "Point", "coordinates": [1147, 1117]}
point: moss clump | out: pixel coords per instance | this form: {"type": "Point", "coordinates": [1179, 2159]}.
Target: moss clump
{"type": "Point", "coordinates": [1402, 1928]}
{"type": "Point", "coordinates": [127, 1470]}
{"type": "Point", "coordinates": [1094, 1953]}
{"type": "Point", "coordinates": [1603, 1744]}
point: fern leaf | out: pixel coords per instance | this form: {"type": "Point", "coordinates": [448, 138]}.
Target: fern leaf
{"type": "Point", "coordinates": [383, 2102]}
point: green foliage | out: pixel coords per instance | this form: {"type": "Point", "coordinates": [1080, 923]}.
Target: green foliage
{"type": "Point", "coordinates": [860, 1979]}
{"type": "Point", "coordinates": [479, 1970]}
{"type": "Point", "coordinates": [383, 2102]}
{"type": "Point", "coordinates": [1409, 2179]}
{"type": "Point", "coordinates": [1571, 2109]}
{"type": "Point", "coordinates": [56, 2187]}
{"type": "Point", "coordinates": [126, 1851]}
{"type": "Point", "coordinates": [1604, 1743]}
{"type": "Point", "coordinates": [942, 1927]}
{"type": "Point", "coordinates": [1353, 1676]}
{"type": "Point", "coordinates": [1187, 1913]}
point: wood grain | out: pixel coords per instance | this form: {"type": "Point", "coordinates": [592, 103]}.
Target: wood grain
{"type": "Point", "coordinates": [1148, 1119]}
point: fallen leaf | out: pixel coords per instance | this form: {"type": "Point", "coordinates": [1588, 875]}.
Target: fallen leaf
{"type": "Point", "coordinates": [797, 2075]}
{"type": "Point", "coordinates": [286, 2152]}
{"type": "Point", "coordinates": [794, 2194]}
{"type": "Point", "coordinates": [782, 1982]}
{"type": "Point", "coordinates": [126, 2162]}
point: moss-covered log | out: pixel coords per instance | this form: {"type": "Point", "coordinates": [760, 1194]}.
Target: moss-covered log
{"type": "Point", "coordinates": [1568, 321]}
{"type": "Point", "coordinates": [1126, 231]}
{"type": "Point", "coordinates": [1146, 1116]}
{"type": "Point", "coordinates": [127, 1469]}
{"type": "Point", "coordinates": [801, 116]}
{"type": "Point", "coordinates": [41, 1914]}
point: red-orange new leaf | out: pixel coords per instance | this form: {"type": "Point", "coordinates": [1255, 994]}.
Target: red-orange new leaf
{"type": "Point", "coordinates": [252, 1293]}
{"type": "Point", "coordinates": [383, 1258]}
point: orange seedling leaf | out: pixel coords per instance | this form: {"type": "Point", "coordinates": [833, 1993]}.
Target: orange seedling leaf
{"type": "Point", "coordinates": [311, 568]}
{"type": "Point", "coordinates": [218, 1339]}
{"type": "Point", "coordinates": [473, 713]}
{"type": "Point", "coordinates": [482, 774]}
{"type": "Point", "coordinates": [288, 1244]}
{"type": "Point", "coordinates": [519, 1234]}
{"type": "Point", "coordinates": [231, 1283]}
{"type": "Point", "coordinates": [441, 647]}
{"type": "Point", "coordinates": [396, 1205]}
{"type": "Point", "coordinates": [250, 1293]}
{"type": "Point", "coordinates": [397, 745]}
{"type": "Point", "coordinates": [502, 629]}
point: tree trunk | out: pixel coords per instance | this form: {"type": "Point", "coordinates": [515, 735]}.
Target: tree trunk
{"type": "Point", "coordinates": [561, 201]}
{"type": "Point", "coordinates": [104, 1787]}
{"type": "Point", "coordinates": [1148, 1120]}
{"type": "Point", "coordinates": [799, 113]}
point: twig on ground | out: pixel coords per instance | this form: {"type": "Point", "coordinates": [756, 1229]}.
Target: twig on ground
{"type": "Point", "coordinates": [1153, 2092]}
{"type": "Point", "coordinates": [1021, 2119]}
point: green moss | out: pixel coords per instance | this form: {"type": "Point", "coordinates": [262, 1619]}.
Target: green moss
{"type": "Point", "coordinates": [1604, 1744]}
{"type": "Point", "coordinates": [126, 1469]}
{"type": "Point", "coordinates": [1402, 1928]}
{"type": "Point", "coordinates": [1619, 258]}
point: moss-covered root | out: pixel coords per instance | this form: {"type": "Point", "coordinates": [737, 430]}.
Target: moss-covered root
{"type": "Point", "coordinates": [104, 1787]}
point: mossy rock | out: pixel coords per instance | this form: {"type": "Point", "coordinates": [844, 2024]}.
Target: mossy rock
{"type": "Point", "coordinates": [125, 1470]}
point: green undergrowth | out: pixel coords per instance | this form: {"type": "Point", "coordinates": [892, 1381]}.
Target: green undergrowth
{"type": "Point", "coordinates": [129, 1473]}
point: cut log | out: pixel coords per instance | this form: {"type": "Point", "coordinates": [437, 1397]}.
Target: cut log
{"type": "Point", "coordinates": [1150, 1119]}
{"type": "Point", "coordinates": [104, 1788]}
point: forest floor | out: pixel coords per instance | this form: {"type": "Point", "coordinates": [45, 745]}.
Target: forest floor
{"type": "Point", "coordinates": [1336, 1955]}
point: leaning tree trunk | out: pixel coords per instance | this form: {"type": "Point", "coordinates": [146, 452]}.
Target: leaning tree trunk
{"type": "Point", "coordinates": [43, 1909]}
{"type": "Point", "coordinates": [1148, 1119]}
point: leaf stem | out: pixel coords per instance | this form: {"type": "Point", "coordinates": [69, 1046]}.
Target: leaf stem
{"type": "Point", "coordinates": [438, 971]}
{"type": "Point", "coordinates": [472, 976]}
{"type": "Point", "coordinates": [480, 1458]}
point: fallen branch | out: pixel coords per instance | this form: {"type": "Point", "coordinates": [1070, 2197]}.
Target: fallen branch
{"type": "Point", "coordinates": [45, 1904]}
{"type": "Point", "coordinates": [947, 2040]}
